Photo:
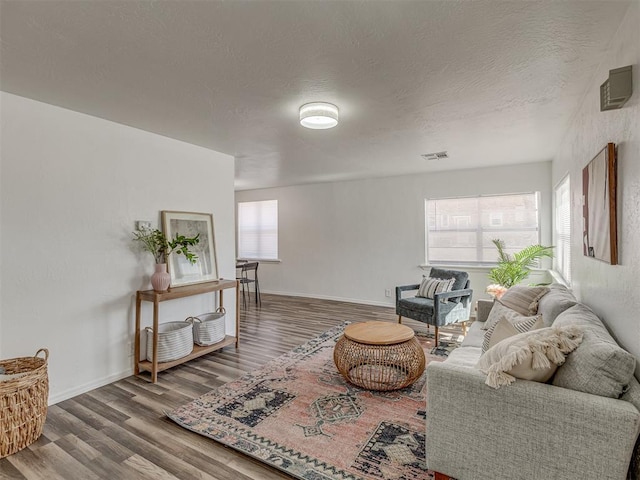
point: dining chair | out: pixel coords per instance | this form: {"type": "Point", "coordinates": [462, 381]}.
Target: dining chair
{"type": "Point", "coordinates": [248, 275]}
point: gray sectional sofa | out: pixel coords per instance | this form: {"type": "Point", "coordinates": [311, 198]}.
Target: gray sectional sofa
{"type": "Point", "coordinates": [529, 430]}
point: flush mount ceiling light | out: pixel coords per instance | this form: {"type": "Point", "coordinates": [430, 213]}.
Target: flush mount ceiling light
{"type": "Point", "coordinates": [318, 115]}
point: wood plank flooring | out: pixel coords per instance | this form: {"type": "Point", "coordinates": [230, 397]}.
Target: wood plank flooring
{"type": "Point", "coordinates": [119, 431]}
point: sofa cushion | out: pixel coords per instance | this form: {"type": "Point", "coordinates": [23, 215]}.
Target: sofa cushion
{"type": "Point", "coordinates": [599, 365]}
{"type": "Point", "coordinates": [505, 328]}
{"type": "Point", "coordinates": [532, 355]}
{"type": "Point", "coordinates": [475, 336]}
{"type": "Point", "coordinates": [466, 357]}
{"type": "Point", "coordinates": [430, 286]}
{"type": "Point", "coordinates": [556, 301]}
{"type": "Point", "coordinates": [523, 299]}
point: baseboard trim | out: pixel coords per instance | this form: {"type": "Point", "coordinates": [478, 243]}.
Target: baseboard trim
{"type": "Point", "coordinates": [330, 297]}
{"type": "Point", "coordinates": [72, 392]}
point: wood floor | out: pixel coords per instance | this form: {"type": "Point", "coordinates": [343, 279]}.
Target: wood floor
{"type": "Point", "coordinates": [119, 431]}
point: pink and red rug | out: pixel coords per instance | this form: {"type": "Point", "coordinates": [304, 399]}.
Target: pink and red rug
{"type": "Point", "coordinates": [298, 414]}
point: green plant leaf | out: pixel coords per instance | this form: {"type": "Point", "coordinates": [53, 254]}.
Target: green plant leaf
{"type": "Point", "coordinates": [512, 270]}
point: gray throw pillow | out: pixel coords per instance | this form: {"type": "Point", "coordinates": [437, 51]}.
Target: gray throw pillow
{"type": "Point", "coordinates": [554, 303]}
{"type": "Point", "coordinates": [523, 299]}
{"type": "Point", "coordinates": [599, 365]}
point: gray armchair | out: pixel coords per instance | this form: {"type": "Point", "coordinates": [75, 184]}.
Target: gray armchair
{"type": "Point", "coordinates": [445, 308]}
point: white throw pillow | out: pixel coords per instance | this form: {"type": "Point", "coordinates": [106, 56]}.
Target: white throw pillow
{"type": "Point", "coordinates": [430, 286]}
{"type": "Point", "coordinates": [504, 328]}
{"type": "Point", "coordinates": [534, 355]}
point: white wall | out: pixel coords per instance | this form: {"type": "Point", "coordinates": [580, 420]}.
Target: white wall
{"type": "Point", "coordinates": [352, 240]}
{"type": "Point", "coordinates": [72, 187]}
{"type": "Point", "coordinates": [612, 291]}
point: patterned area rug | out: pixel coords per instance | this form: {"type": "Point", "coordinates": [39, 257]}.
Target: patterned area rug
{"type": "Point", "coordinates": [299, 415]}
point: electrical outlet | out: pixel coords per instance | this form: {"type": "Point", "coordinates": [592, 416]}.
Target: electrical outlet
{"type": "Point", "coordinates": [143, 225]}
{"type": "Point", "coordinates": [387, 292]}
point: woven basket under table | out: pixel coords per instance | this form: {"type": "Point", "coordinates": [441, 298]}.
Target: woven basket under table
{"type": "Point", "coordinates": [23, 401]}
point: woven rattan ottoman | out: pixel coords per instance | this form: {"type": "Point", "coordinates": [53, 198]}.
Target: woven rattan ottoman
{"type": "Point", "coordinates": [379, 355]}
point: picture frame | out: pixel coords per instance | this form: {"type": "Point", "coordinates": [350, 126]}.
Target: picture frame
{"type": "Point", "coordinates": [599, 206]}
{"type": "Point", "coordinates": [191, 224]}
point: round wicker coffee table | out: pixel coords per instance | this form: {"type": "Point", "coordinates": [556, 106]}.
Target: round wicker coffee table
{"type": "Point", "coordinates": [379, 355]}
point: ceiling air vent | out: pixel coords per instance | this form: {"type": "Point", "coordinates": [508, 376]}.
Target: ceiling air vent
{"type": "Point", "coordinates": [435, 156]}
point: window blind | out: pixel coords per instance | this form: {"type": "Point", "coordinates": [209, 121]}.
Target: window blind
{"type": "Point", "coordinates": [562, 263]}
{"type": "Point", "coordinates": [460, 230]}
{"type": "Point", "coordinates": [258, 230]}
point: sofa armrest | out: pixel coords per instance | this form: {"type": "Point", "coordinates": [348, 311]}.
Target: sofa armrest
{"type": "Point", "coordinates": [525, 430]}
{"type": "Point", "coordinates": [483, 309]}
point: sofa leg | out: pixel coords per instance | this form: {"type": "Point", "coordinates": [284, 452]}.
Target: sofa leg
{"type": "Point", "coordinates": [441, 476]}
{"type": "Point", "coordinates": [399, 318]}
{"type": "Point", "coordinates": [437, 336]}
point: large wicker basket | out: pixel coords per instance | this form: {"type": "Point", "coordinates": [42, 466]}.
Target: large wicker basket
{"type": "Point", "coordinates": [175, 340]}
{"type": "Point", "coordinates": [209, 328]}
{"type": "Point", "coordinates": [24, 393]}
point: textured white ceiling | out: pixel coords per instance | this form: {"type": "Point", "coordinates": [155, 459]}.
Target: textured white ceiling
{"type": "Point", "coordinates": [491, 82]}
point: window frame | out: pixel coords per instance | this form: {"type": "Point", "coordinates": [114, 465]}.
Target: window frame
{"type": "Point", "coordinates": [476, 264]}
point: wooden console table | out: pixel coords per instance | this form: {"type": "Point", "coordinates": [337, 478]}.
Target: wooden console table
{"type": "Point", "coordinates": [180, 292]}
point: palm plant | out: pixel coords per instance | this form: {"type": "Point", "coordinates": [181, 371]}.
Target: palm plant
{"type": "Point", "coordinates": [512, 269]}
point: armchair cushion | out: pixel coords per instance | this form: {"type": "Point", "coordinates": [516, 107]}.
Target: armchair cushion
{"type": "Point", "coordinates": [460, 277]}
{"type": "Point", "coordinates": [424, 305]}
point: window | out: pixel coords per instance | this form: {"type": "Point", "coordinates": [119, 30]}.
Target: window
{"type": "Point", "coordinates": [512, 218]}
{"type": "Point", "coordinates": [258, 230]}
{"type": "Point", "coordinates": [562, 233]}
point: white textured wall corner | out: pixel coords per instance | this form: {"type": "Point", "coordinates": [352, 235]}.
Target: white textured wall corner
{"type": "Point", "coordinates": [353, 240]}
{"type": "Point", "coordinates": [72, 187]}
{"type": "Point", "coordinates": [612, 291]}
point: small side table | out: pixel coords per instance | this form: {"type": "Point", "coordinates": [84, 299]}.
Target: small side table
{"type": "Point", "coordinates": [379, 355]}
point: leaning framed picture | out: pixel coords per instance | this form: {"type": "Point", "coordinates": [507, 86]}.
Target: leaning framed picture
{"type": "Point", "coordinates": [599, 225]}
{"type": "Point", "coordinates": [191, 224]}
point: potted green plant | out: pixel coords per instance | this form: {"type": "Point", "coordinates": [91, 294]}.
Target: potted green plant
{"type": "Point", "coordinates": [512, 269]}
{"type": "Point", "coordinates": [155, 242]}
